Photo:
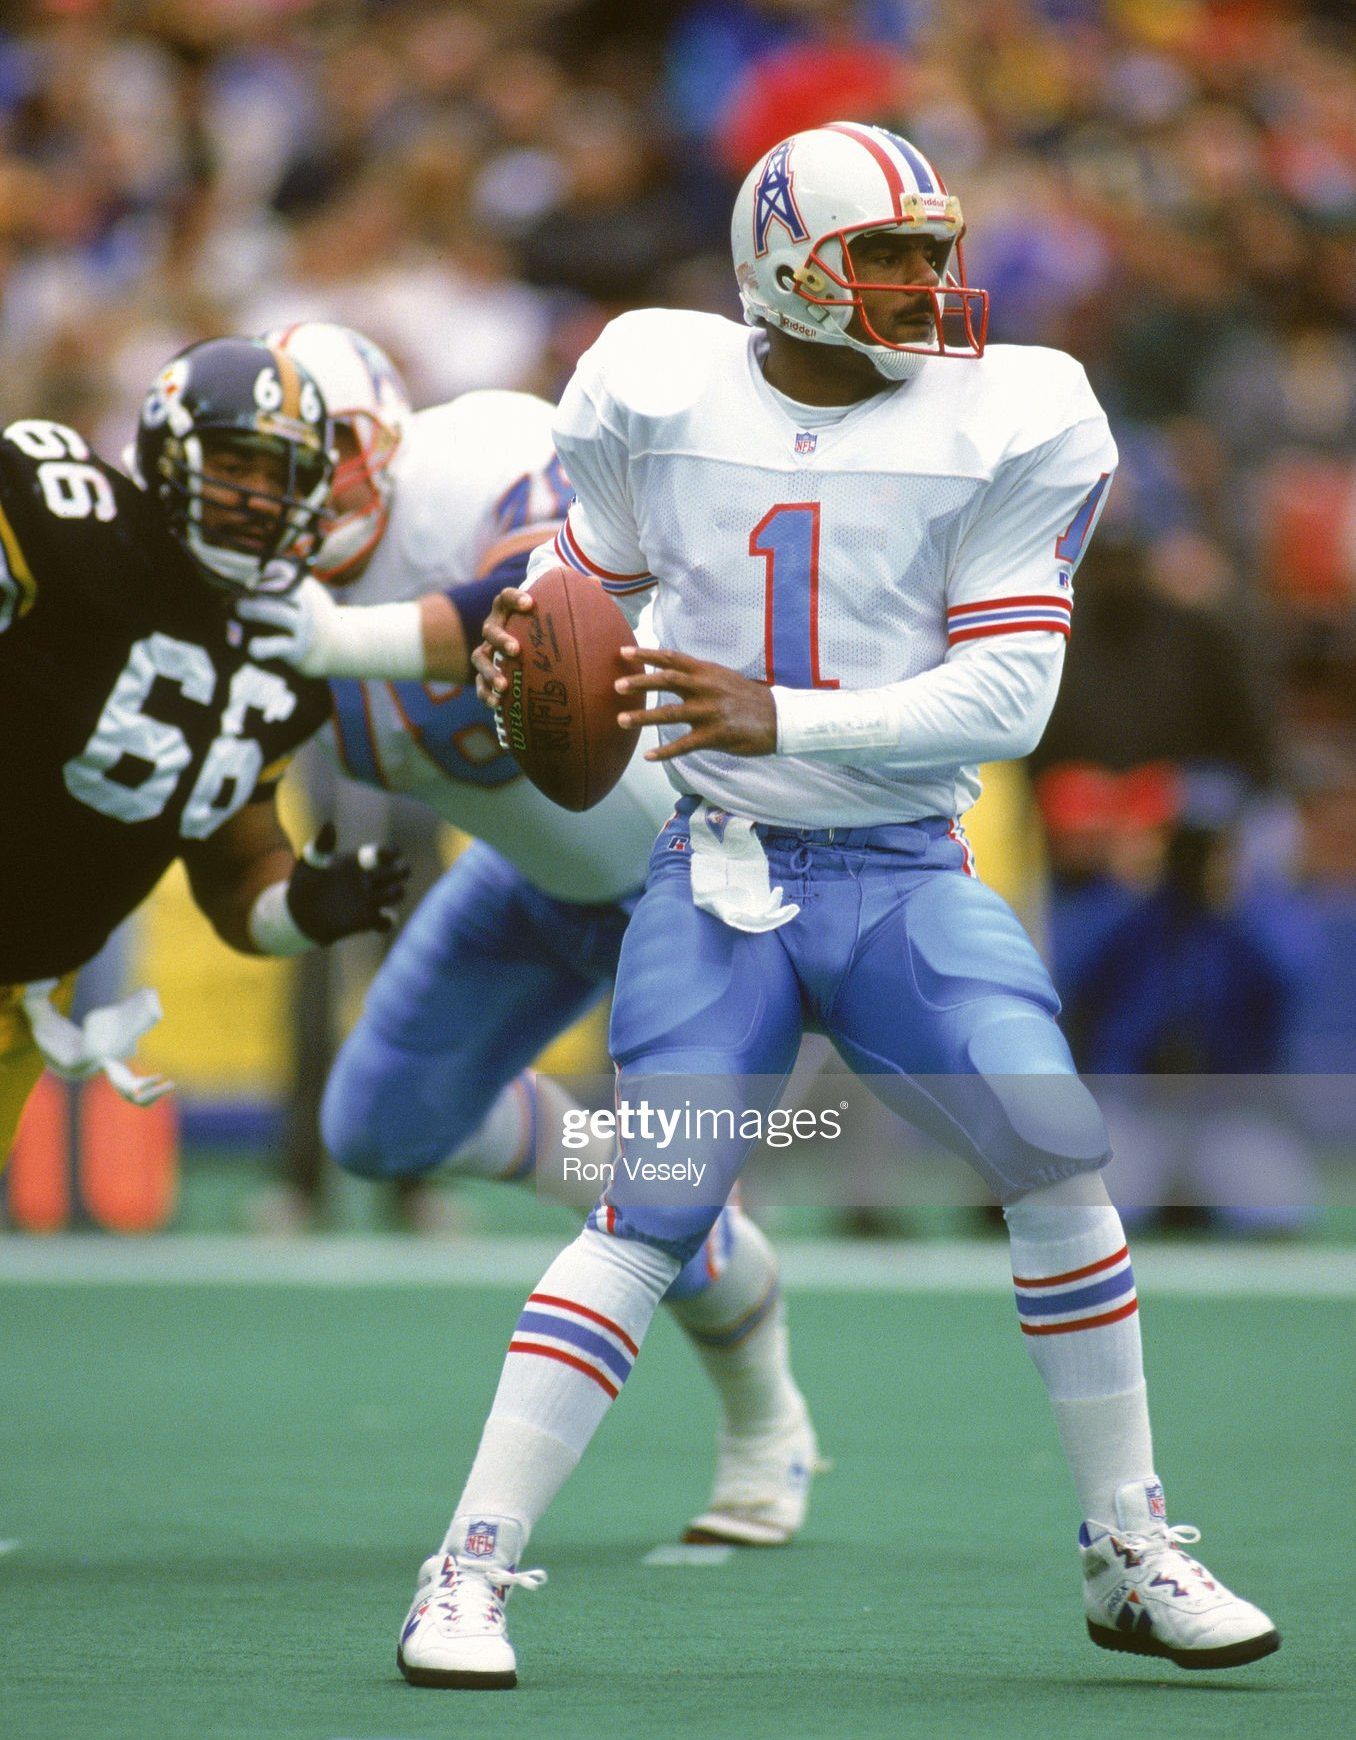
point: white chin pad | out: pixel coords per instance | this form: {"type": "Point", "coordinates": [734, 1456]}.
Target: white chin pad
{"type": "Point", "coordinates": [895, 365]}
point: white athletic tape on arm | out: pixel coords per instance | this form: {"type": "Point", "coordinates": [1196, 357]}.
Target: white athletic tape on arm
{"type": "Point", "coordinates": [272, 929]}
{"type": "Point", "coordinates": [986, 703]}
{"type": "Point", "coordinates": [383, 641]}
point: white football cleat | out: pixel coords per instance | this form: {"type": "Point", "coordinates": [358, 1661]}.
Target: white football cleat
{"type": "Point", "coordinates": [1143, 1594]}
{"type": "Point", "coordinates": [454, 1634]}
{"type": "Point", "coordinates": [762, 1489]}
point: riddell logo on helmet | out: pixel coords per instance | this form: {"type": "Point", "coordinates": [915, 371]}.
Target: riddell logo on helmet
{"type": "Point", "coordinates": [790, 325]}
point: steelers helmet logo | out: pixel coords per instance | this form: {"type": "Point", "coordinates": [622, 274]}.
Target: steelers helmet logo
{"type": "Point", "coordinates": [165, 390]}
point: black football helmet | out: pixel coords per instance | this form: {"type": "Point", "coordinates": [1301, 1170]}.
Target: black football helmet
{"type": "Point", "coordinates": [234, 443]}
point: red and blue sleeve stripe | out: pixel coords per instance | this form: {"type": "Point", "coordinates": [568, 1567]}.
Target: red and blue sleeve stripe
{"type": "Point", "coordinates": [571, 552]}
{"type": "Point", "coordinates": [1008, 616]}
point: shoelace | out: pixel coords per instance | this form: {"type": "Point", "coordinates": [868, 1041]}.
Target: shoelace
{"type": "Point", "coordinates": [1181, 1535]}
{"type": "Point", "coordinates": [445, 1603]}
{"type": "Point", "coordinates": [1171, 1540]}
{"type": "Point", "coordinates": [530, 1579]}
{"type": "Point", "coordinates": [499, 1576]}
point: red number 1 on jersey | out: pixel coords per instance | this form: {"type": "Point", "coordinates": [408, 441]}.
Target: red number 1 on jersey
{"type": "Point", "coordinates": [787, 538]}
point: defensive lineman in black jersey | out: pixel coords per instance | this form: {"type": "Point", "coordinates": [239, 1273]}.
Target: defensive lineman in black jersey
{"type": "Point", "coordinates": [135, 727]}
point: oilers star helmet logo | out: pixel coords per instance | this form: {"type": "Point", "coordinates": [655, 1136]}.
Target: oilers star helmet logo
{"type": "Point", "coordinates": [234, 445]}
{"type": "Point", "coordinates": [774, 200]}
{"type": "Point", "coordinates": [796, 218]}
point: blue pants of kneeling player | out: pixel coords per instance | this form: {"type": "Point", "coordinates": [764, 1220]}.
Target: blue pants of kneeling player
{"type": "Point", "coordinates": [484, 975]}
{"type": "Point", "coordinates": [919, 974]}
{"type": "Point", "coordinates": [487, 972]}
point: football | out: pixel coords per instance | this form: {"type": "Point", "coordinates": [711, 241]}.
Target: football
{"type": "Point", "coordinates": [559, 715]}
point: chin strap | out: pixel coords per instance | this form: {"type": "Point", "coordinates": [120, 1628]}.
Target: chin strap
{"type": "Point", "coordinates": [76, 1050]}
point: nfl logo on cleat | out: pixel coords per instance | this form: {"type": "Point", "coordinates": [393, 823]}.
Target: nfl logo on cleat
{"type": "Point", "coordinates": [481, 1539]}
{"type": "Point", "coordinates": [805, 441]}
{"type": "Point", "coordinates": [1158, 1508]}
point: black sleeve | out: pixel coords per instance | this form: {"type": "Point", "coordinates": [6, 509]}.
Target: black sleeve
{"type": "Point", "coordinates": [62, 512]}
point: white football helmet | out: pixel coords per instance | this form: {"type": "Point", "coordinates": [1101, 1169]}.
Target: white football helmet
{"type": "Point", "coordinates": [370, 411]}
{"type": "Point", "coordinates": [791, 235]}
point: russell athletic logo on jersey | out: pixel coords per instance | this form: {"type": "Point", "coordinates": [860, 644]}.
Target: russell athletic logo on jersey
{"type": "Point", "coordinates": [774, 202]}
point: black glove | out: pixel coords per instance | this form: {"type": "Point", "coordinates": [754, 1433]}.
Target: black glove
{"type": "Point", "coordinates": [335, 895]}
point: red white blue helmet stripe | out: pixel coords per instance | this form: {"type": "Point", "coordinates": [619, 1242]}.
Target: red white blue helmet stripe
{"type": "Point", "coordinates": [903, 166]}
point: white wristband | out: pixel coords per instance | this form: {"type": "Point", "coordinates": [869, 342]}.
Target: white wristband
{"type": "Point", "coordinates": [385, 641]}
{"type": "Point", "coordinates": [811, 721]}
{"type": "Point", "coordinates": [273, 930]}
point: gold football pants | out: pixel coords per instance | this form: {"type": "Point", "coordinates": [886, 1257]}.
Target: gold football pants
{"type": "Point", "coordinates": [21, 1063]}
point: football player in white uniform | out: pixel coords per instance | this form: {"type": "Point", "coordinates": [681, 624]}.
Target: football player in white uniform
{"type": "Point", "coordinates": [432, 513]}
{"type": "Point", "coordinates": [859, 527]}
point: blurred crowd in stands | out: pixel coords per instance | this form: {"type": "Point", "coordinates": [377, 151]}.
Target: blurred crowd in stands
{"type": "Point", "coordinates": [1166, 188]}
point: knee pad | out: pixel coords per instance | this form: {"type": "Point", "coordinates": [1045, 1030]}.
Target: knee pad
{"type": "Point", "coordinates": [390, 1113]}
{"type": "Point", "coordinates": [707, 1266]}
{"type": "Point", "coordinates": [1041, 1122]}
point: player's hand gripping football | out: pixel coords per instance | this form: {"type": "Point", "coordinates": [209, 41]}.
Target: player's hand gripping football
{"type": "Point", "coordinates": [490, 680]}
{"type": "Point", "coordinates": [726, 711]}
{"type": "Point", "coordinates": [336, 894]}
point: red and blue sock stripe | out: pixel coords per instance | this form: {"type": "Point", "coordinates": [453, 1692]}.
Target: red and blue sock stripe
{"type": "Point", "coordinates": [577, 1336]}
{"type": "Point", "coordinates": [1086, 1298]}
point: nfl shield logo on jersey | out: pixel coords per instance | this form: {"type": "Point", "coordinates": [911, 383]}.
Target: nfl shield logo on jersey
{"type": "Point", "coordinates": [805, 441]}
{"type": "Point", "coordinates": [481, 1539]}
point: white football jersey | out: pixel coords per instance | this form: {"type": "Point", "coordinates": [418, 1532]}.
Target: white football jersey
{"type": "Point", "coordinates": [474, 480]}
{"type": "Point", "coordinates": [936, 523]}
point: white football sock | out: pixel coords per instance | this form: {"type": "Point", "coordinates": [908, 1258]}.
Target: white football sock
{"type": "Point", "coordinates": [524, 1124]}
{"type": "Point", "coordinates": [738, 1327]}
{"type": "Point", "coordinates": [572, 1350]}
{"type": "Point", "coordinates": [1079, 1314]}
{"type": "Point", "coordinates": [504, 1143]}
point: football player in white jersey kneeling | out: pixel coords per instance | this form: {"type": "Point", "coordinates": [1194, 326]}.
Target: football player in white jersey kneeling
{"type": "Point", "coordinates": [432, 513]}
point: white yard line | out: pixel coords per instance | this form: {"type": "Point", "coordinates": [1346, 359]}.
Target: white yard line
{"type": "Point", "coordinates": [808, 1265]}
{"type": "Point", "coordinates": [692, 1557]}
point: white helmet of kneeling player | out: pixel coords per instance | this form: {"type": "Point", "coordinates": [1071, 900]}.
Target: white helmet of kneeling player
{"type": "Point", "coordinates": [795, 220]}
{"type": "Point", "coordinates": [370, 410]}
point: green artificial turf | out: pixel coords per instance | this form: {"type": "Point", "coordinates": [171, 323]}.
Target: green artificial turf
{"type": "Point", "coordinates": [220, 1496]}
